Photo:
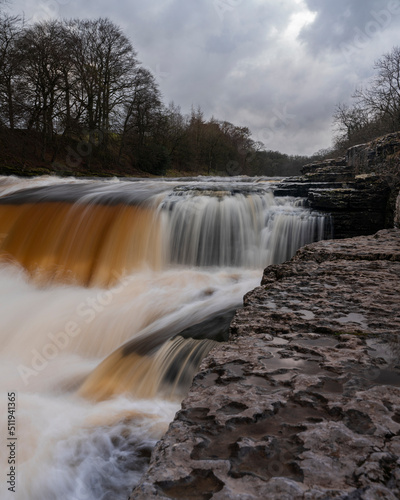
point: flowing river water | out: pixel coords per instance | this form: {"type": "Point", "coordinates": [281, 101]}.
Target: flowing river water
{"type": "Point", "coordinates": [112, 291]}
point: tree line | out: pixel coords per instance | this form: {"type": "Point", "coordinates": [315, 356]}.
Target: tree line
{"type": "Point", "coordinates": [77, 87]}
{"type": "Point", "coordinates": [375, 109]}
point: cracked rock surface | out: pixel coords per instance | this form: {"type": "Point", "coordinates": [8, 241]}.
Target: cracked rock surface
{"type": "Point", "coordinates": [304, 401]}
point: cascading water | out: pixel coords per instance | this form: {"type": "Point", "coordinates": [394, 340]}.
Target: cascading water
{"type": "Point", "coordinates": [111, 294]}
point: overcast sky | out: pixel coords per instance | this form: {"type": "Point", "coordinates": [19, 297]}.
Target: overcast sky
{"type": "Point", "coordinates": [278, 67]}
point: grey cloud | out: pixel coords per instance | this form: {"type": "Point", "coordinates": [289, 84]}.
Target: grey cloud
{"type": "Point", "coordinates": [287, 111]}
{"type": "Point", "coordinates": [341, 23]}
{"type": "Point", "coordinates": [231, 57]}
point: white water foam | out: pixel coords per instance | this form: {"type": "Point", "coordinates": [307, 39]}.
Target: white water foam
{"type": "Point", "coordinates": [52, 336]}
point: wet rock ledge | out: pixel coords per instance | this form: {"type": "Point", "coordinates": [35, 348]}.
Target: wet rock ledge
{"type": "Point", "coordinates": [304, 401]}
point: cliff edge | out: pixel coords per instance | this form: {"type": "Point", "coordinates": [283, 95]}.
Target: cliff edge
{"type": "Point", "coordinates": [304, 401]}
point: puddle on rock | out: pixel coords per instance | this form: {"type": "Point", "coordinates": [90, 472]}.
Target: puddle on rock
{"type": "Point", "coordinates": [285, 376]}
{"type": "Point", "coordinates": [276, 340]}
{"type": "Point", "coordinates": [388, 377]}
{"type": "Point", "coordinates": [234, 369]}
{"type": "Point", "coordinates": [288, 363]}
{"type": "Point", "coordinates": [319, 342]}
{"type": "Point", "coordinates": [360, 319]}
{"type": "Point", "coordinates": [306, 314]}
{"type": "Point", "coordinates": [209, 379]}
{"type": "Point", "coordinates": [378, 348]}
{"type": "Point", "coordinates": [256, 380]}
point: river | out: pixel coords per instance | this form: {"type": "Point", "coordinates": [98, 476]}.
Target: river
{"type": "Point", "coordinates": [112, 291]}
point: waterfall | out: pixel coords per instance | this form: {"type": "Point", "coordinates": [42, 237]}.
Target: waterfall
{"type": "Point", "coordinates": [90, 235]}
{"type": "Point", "coordinates": [112, 293]}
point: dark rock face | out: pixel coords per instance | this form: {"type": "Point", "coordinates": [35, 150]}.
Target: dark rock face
{"type": "Point", "coordinates": [304, 401]}
{"type": "Point", "coordinates": [397, 212]}
{"type": "Point", "coordinates": [357, 209]}
{"type": "Point", "coordinates": [375, 155]}
{"type": "Point", "coordinates": [358, 191]}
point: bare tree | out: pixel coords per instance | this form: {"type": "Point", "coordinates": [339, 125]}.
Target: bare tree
{"type": "Point", "coordinates": [77, 81]}
{"type": "Point", "coordinates": [382, 98]}
{"type": "Point", "coordinates": [10, 31]}
{"type": "Point", "coordinates": [42, 54]}
{"type": "Point", "coordinates": [350, 120]}
{"type": "Point", "coordinates": [4, 2]}
{"type": "Point", "coordinates": [142, 111]}
{"type": "Point", "coordinates": [172, 128]}
{"type": "Point", "coordinates": [104, 67]}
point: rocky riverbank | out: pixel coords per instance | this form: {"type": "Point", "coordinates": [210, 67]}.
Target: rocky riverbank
{"type": "Point", "coordinates": [304, 401]}
{"type": "Point", "coordinates": [358, 191]}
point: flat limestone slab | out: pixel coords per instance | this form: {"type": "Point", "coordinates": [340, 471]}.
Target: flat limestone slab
{"type": "Point", "coordinates": [304, 401]}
